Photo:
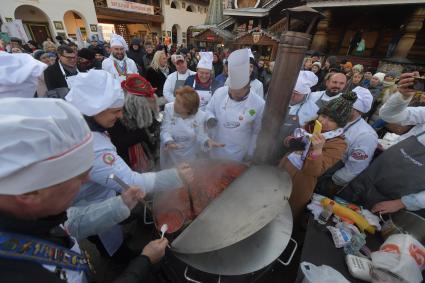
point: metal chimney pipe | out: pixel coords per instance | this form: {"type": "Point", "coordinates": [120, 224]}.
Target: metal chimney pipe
{"type": "Point", "coordinates": [290, 56]}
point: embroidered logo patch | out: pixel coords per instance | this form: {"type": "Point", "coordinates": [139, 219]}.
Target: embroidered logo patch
{"type": "Point", "coordinates": [252, 112]}
{"type": "Point", "coordinates": [231, 125]}
{"type": "Point", "coordinates": [359, 154]}
{"type": "Point", "coordinates": [108, 158]}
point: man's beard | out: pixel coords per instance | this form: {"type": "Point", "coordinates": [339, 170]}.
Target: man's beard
{"type": "Point", "coordinates": [332, 93]}
{"type": "Point", "coordinates": [118, 56]}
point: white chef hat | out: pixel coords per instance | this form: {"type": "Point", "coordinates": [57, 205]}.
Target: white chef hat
{"type": "Point", "coordinates": [238, 68]}
{"type": "Point", "coordinates": [19, 73]}
{"type": "Point", "coordinates": [380, 76]}
{"type": "Point", "coordinates": [306, 80]}
{"type": "Point", "coordinates": [44, 142]}
{"type": "Point", "coordinates": [206, 61]}
{"type": "Point", "coordinates": [364, 99]}
{"type": "Point", "coordinates": [95, 91]}
{"type": "Point", "coordinates": [118, 40]}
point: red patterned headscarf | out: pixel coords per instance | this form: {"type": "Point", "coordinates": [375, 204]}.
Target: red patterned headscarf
{"type": "Point", "coordinates": [138, 85]}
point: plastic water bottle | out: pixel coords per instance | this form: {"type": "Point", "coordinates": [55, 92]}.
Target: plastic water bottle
{"type": "Point", "coordinates": [326, 214]}
{"type": "Point", "coordinates": [356, 243]}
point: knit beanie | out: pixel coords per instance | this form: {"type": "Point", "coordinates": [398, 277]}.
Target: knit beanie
{"type": "Point", "coordinates": [339, 109]}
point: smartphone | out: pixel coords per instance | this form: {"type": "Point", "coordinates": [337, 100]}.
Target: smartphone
{"type": "Point", "coordinates": [419, 84]}
{"type": "Point", "coordinates": [317, 127]}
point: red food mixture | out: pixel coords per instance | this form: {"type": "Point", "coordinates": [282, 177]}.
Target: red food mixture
{"type": "Point", "coordinates": [211, 178]}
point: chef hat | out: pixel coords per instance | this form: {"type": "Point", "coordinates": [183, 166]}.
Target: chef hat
{"type": "Point", "coordinates": [251, 55]}
{"type": "Point", "coordinates": [380, 76]}
{"type": "Point", "coordinates": [364, 99]}
{"type": "Point", "coordinates": [206, 60]}
{"type": "Point", "coordinates": [94, 92]}
{"type": "Point", "coordinates": [306, 80]}
{"type": "Point", "coordinates": [19, 74]}
{"type": "Point", "coordinates": [238, 68]}
{"type": "Point", "coordinates": [118, 40]}
{"type": "Point", "coordinates": [44, 142]}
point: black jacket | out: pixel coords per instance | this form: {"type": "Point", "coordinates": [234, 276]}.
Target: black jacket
{"type": "Point", "coordinates": [137, 57]}
{"type": "Point", "coordinates": [54, 78]}
{"type": "Point", "coordinates": [48, 229]}
{"type": "Point", "coordinates": [157, 80]}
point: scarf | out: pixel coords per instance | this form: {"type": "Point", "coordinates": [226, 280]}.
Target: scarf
{"type": "Point", "coordinates": [201, 84]}
{"type": "Point", "coordinates": [388, 84]}
{"type": "Point", "coordinates": [296, 158]}
{"type": "Point", "coordinates": [164, 70]}
{"type": "Point", "coordinates": [120, 65]}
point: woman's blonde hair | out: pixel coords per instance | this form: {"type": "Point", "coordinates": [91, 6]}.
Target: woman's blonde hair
{"type": "Point", "coordinates": [190, 99]}
{"type": "Point", "coordinates": [155, 61]}
{"type": "Point", "coordinates": [48, 44]}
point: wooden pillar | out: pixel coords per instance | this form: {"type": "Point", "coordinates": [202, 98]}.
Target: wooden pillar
{"type": "Point", "coordinates": [413, 26]}
{"type": "Point", "coordinates": [320, 39]}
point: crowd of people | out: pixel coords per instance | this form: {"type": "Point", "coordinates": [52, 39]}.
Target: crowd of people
{"type": "Point", "coordinates": [72, 117]}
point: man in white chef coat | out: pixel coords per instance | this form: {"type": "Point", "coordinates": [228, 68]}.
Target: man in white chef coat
{"type": "Point", "coordinates": [118, 64]}
{"type": "Point", "coordinates": [234, 112]}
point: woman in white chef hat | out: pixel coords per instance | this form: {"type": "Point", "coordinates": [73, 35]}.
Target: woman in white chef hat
{"type": "Point", "coordinates": [203, 81]}
{"type": "Point", "coordinates": [235, 112]}
{"type": "Point", "coordinates": [301, 110]}
{"type": "Point", "coordinates": [100, 98]}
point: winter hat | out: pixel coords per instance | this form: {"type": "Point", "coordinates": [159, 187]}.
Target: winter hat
{"type": "Point", "coordinates": [339, 109]}
{"type": "Point", "coordinates": [38, 53]}
{"type": "Point", "coordinates": [135, 41]}
{"type": "Point", "coordinates": [86, 54]}
{"type": "Point", "coordinates": [138, 85]}
{"type": "Point", "coordinates": [359, 68]}
{"type": "Point", "coordinates": [348, 65]}
{"type": "Point", "coordinates": [317, 64]}
{"type": "Point", "coordinates": [392, 74]}
{"type": "Point", "coordinates": [380, 76]}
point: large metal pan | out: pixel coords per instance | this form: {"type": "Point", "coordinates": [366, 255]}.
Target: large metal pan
{"type": "Point", "coordinates": [249, 255]}
{"type": "Point", "coordinates": [251, 202]}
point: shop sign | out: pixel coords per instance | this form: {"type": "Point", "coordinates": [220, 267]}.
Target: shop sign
{"type": "Point", "coordinates": [130, 6]}
{"type": "Point", "coordinates": [210, 37]}
{"type": "Point", "coordinates": [256, 37]}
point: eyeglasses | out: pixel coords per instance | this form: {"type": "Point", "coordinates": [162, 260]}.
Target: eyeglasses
{"type": "Point", "coordinates": [69, 57]}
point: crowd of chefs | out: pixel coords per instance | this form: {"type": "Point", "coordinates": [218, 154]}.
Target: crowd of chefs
{"type": "Point", "coordinates": [59, 148]}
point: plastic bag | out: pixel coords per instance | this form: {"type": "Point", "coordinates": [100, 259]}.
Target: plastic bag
{"type": "Point", "coordinates": [401, 256]}
{"type": "Point", "coordinates": [321, 274]}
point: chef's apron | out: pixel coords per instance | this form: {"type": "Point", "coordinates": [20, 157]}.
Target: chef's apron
{"type": "Point", "coordinates": [70, 80]}
{"type": "Point", "coordinates": [288, 127]}
{"type": "Point", "coordinates": [184, 137]}
{"type": "Point", "coordinates": [179, 84]}
{"type": "Point", "coordinates": [204, 96]}
{"type": "Point", "coordinates": [320, 103]}
{"type": "Point", "coordinates": [398, 171]}
{"type": "Point", "coordinates": [234, 129]}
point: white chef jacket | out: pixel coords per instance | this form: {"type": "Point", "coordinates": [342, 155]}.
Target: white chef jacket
{"type": "Point", "coordinates": [396, 110]}
{"type": "Point", "coordinates": [107, 162]}
{"type": "Point", "coordinates": [306, 111]}
{"type": "Point", "coordinates": [108, 65]}
{"type": "Point", "coordinates": [188, 134]}
{"type": "Point", "coordinates": [170, 83]}
{"type": "Point", "coordinates": [362, 141]}
{"type": "Point", "coordinates": [321, 95]}
{"type": "Point", "coordinates": [239, 123]}
{"type": "Point", "coordinates": [256, 86]}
